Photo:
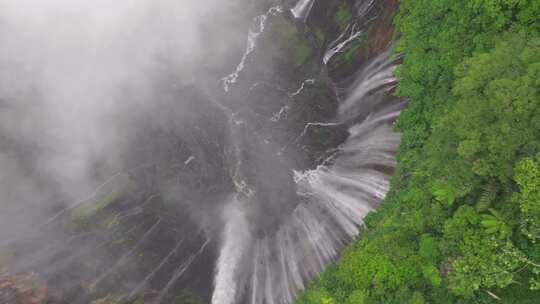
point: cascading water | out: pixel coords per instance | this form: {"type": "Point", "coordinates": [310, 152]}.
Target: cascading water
{"type": "Point", "coordinates": [302, 8]}
{"type": "Point", "coordinates": [331, 201]}
{"type": "Point", "coordinates": [259, 25]}
{"type": "Point", "coordinates": [341, 42]}
{"type": "Point", "coordinates": [231, 198]}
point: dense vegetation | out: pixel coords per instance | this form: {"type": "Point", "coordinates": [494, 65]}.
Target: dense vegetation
{"type": "Point", "coordinates": [461, 223]}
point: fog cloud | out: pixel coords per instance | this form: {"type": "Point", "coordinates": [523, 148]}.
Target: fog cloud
{"type": "Point", "coordinates": [65, 68]}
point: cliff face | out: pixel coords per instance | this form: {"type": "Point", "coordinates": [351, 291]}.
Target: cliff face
{"type": "Point", "coordinates": [292, 76]}
{"type": "Point", "coordinates": [301, 63]}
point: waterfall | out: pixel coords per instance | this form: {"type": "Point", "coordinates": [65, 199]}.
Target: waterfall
{"type": "Point", "coordinates": [302, 9]}
{"type": "Point", "coordinates": [253, 34]}
{"type": "Point", "coordinates": [235, 241]}
{"type": "Point", "coordinates": [335, 197]}
{"type": "Point", "coordinates": [350, 34]}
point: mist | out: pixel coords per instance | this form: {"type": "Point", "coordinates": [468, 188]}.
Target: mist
{"type": "Point", "coordinates": [75, 76]}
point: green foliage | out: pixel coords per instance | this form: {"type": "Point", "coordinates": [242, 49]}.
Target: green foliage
{"type": "Point", "coordinates": [429, 248]}
{"type": "Point", "coordinates": [356, 297]}
{"type": "Point", "coordinates": [432, 274]}
{"type": "Point", "coordinates": [496, 118]}
{"type": "Point", "coordinates": [417, 298]}
{"type": "Point", "coordinates": [481, 261]}
{"type": "Point", "coordinates": [461, 223]}
{"type": "Point", "coordinates": [316, 296]}
{"type": "Point", "coordinates": [528, 179]}
{"type": "Point", "coordinates": [494, 223]}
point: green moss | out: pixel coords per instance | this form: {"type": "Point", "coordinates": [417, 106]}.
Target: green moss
{"type": "Point", "coordinates": [110, 192]}
{"type": "Point", "coordinates": [321, 37]}
{"type": "Point", "coordinates": [302, 52]}
{"type": "Point", "coordinates": [89, 208]}
{"type": "Point", "coordinates": [291, 41]}
{"type": "Point", "coordinates": [107, 300]}
{"type": "Point", "coordinates": [324, 136]}
{"type": "Point", "coordinates": [351, 51]}
{"type": "Point", "coordinates": [343, 16]}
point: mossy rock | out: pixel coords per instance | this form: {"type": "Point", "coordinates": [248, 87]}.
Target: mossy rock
{"type": "Point", "coordinates": [288, 44]}
{"type": "Point", "coordinates": [183, 296]}
{"type": "Point", "coordinates": [107, 300]}
{"type": "Point", "coordinates": [316, 103]}
{"type": "Point", "coordinates": [328, 19]}
{"type": "Point", "coordinates": [24, 288]}
{"type": "Point", "coordinates": [377, 37]}
{"type": "Point", "coordinates": [110, 192]}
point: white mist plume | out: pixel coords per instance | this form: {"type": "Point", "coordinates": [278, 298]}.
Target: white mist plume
{"type": "Point", "coordinates": [65, 66]}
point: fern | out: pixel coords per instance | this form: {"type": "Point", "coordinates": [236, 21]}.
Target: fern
{"type": "Point", "coordinates": [488, 195]}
